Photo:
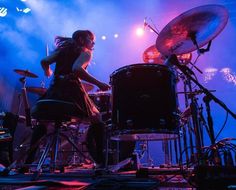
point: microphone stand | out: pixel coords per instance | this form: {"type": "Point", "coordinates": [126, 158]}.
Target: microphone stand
{"type": "Point", "coordinates": [173, 59]}
{"type": "Point", "coordinates": [188, 73]}
{"type": "Point", "coordinates": [148, 25]}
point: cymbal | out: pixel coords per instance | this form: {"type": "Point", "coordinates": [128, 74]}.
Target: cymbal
{"type": "Point", "coordinates": [25, 73]}
{"type": "Point", "coordinates": [203, 23]}
{"type": "Point", "coordinates": [87, 86]}
{"type": "Point", "coordinates": [36, 90]}
{"type": "Point", "coordinates": [152, 55]}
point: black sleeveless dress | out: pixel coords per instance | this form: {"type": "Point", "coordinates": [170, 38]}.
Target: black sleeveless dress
{"type": "Point", "coordinates": [67, 87]}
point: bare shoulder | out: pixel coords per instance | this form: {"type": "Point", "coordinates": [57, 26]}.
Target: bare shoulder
{"type": "Point", "coordinates": [86, 53]}
{"type": "Point", "coordinates": [51, 58]}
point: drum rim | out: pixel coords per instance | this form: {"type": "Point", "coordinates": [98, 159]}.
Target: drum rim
{"type": "Point", "coordinates": [139, 65]}
{"type": "Point", "coordinates": [145, 136]}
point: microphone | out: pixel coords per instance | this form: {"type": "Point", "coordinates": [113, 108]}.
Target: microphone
{"type": "Point", "coordinates": [173, 60]}
{"type": "Point", "coordinates": [145, 23]}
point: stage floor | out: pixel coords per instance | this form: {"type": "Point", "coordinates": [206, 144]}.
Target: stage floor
{"type": "Point", "coordinates": [90, 179]}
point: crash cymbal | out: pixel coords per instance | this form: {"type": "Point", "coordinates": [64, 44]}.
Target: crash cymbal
{"type": "Point", "coordinates": [87, 86]}
{"type": "Point", "coordinates": [25, 73]}
{"type": "Point", "coordinates": [152, 55]}
{"type": "Point", "coordinates": [203, 23]}
{"type": "Point", "coordinates": [185, 58]}
{"type": "Point", "coordinates": [36, 90]}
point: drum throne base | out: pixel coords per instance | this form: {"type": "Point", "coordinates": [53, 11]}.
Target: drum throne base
{"type": "Point", "coordinates": [57, 112]}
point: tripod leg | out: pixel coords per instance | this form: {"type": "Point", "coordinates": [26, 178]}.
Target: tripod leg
{"type": "Point", "coordinates": [55, 152]}
{"type": "Point", "coordinates": [42, 159]}
{"type": "Point", "coordinates": [45, 153]}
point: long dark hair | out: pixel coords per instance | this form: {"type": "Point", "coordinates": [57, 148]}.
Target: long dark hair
{"type": "Point", "coordinates": [77, 40]}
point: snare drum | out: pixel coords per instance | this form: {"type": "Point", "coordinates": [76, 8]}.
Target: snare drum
{"type": "Point", "coordinates": [101, 100]}
{"type": "Point", "coordinates": [144, 102]}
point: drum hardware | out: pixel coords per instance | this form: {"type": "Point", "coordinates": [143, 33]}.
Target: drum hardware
{"type": "Point", "coordinates": [102, 99]}
{"type": "Point", "coordinates": [123, 153]}
{"type": "Point", "coordinates": [25, 73]}
{"type": "Point", "coordinates": [194, 108]}
{"type": "Point", "coordinates": [37, 90]}
{"type": "Point", "coordinates": [187, 33]}
{"type": "Point", "coordinates": [149, 160]}
{"type": "Point", "coordinates": [5, 135]}
{"type": "Point", "coordinates": [195, 92]}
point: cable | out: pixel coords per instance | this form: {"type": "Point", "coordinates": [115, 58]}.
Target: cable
{"type": "Point", "coordinates": [224, 124]}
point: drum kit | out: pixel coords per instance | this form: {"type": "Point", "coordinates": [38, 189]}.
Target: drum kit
{"type": "Point", "coordinates": [144, 103]}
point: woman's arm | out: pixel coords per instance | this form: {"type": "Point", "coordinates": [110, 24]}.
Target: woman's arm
{"type": "Point", "coordinates": [47, 61]}
{"type": "Point", "coordinates": [79, 67]}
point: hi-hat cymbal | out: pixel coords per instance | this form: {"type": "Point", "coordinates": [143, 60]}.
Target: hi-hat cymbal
{"type": "Point", "coordinates": [87, 86]}
{"type": "Point", "coordinates": [25, 73]}
{"type": "Point", "coordinates": [203, 23]}
{"type": "Point", "coordinates": [36, 90]}
{"type": "Point", "coordinates": [152, 55]}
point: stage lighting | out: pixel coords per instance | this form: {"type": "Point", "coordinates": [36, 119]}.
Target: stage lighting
{"type": "Point", "coordinates": [139, 32]}
{"type": "Point", "coordinates": [104, 37]}
{"type": "Point", "coordinates": [228, 75]}
{"type": "Point", "coordinates": [209, 74]}
{"type": "Point", "coordinates": [116, 35]}
{"type": "Point", "coordinates": [3, 11]}
{"type": "Point", "coordinates": [26, 10]}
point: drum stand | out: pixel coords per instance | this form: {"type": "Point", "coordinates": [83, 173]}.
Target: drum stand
{"type": "Point", "coordinates": [194, 108]}
{"type": "Point", "coordinates": [134, 159]}
{"type": "Point", "coordinates": [24, 96]}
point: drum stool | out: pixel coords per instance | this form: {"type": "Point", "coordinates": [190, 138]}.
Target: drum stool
{"type": "Point", "coordinates": [58, 112]}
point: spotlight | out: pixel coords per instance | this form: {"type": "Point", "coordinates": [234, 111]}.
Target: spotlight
{"type": "Point", "coordinates": [104, 37]}
{"type": "Point", "coordinates": [116, 35]}
{"type": "Point", "coordinates": [26, 10]}
{"type": "Point", "coordinates": [3, 11]}
{"type": "Point", "coordinates": [139, 32]}
{"type": "Point", "coordinates": [18, 10]}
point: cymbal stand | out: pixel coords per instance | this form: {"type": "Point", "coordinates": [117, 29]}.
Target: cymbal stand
{"type": "Point", "coordinates": [207, 100]}
{"type": "Point", "coordinates": [145, 24]}
{"type": "Point", "coordinates": [25, 101]}
{"type": "Point", "coordinates": [188, 88]}
{"type": "Point", "coordinates": [147, 150]}
{"type": "Point", "coordinates": [199, 50]}
{"type": "Point", "coordinates": [188, 73]}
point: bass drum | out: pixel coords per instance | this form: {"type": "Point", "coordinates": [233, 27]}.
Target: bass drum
{"type": "Point", "coordinates": [84, 137]}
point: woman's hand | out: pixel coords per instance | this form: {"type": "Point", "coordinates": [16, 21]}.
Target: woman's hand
{"type": "Point", "coordinates": [48, 72]}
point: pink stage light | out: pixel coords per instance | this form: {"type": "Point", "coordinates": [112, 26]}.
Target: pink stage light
{"type": "Point", "coordinates": [139, 32]}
